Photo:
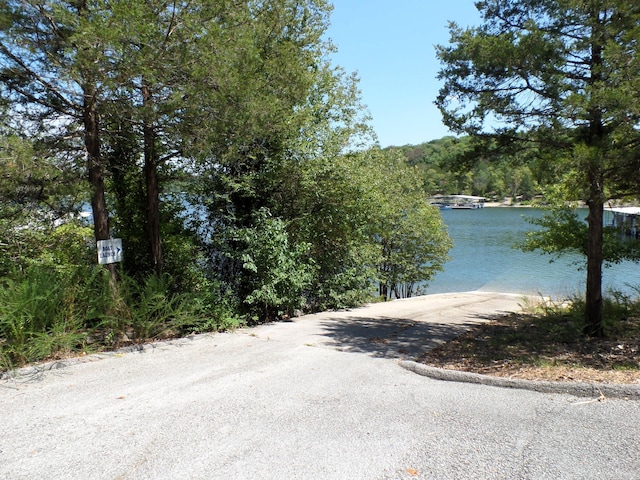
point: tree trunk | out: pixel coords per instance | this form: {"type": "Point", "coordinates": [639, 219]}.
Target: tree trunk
{"type": "Point", "coordinates": [152, 186]}
{"type": "Point", "coordinates": [95, 165]}
{"type": "Point", "coordinates": [593, 309]}
{"type": "Point", "coordinates": [95, 169]}
{"type": "Point", "coordinates": [593, 312]}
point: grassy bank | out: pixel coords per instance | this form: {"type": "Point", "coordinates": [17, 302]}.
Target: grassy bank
{"type": "Point", "coordinates": [547, 343]}
{"type": "Point", "coordinates": [50, 313]}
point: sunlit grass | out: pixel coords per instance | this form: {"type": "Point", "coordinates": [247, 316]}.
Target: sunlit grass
{"type": "Point", "coordinates": [547, 341]}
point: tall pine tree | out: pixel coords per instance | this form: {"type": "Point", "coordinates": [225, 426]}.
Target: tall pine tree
{"type": "Point", "coordinates": [565, 74]}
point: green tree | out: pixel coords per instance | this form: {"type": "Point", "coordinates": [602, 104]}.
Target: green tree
{"type": "Point", "coordinates": [50, 70]}
{"type": "Point", "coordinates": [332, 206]}
{"type": "Point", "coordinates": [563, 230]}
{"type": "Point", "coordinates": [281, 272]}
{"type": "Point", "coordinates": [561, 73]}
{"type": "Point", "coordinates": [410, 232]}
{"type": "Point", "coordinates": [154, 97]}
{"type": "Point", "coordinates": [370, 228]}
{"type": "Point", "coordinates": [34, 198]}
{"type": "Point", "coordinates": [481, 178]}
{"type": "Point", "coordinates": [241, 100]}
{"type": "Point", "coordinates": [278, 115]}
{"type": "Point", "coordinates": [116, 77]}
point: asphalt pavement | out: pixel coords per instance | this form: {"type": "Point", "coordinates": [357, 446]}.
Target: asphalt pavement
{"type": "Point", "coordinates": [320, 397]}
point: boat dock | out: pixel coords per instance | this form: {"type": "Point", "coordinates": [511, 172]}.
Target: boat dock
{"type": "Point", "coordinates": [457, 202]}
{"type": "Point", "coordinates": [625, 219]}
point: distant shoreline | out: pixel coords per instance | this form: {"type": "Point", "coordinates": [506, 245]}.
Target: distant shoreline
{"type": "Point", "coordinates": [508, 204]}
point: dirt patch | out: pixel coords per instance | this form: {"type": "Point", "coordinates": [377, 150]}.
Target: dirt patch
{"type": "Point", "coordinates": [537, 347]}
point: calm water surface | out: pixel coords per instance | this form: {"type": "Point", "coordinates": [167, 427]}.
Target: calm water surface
{"type": "Point", "coordinates": [484, 258]}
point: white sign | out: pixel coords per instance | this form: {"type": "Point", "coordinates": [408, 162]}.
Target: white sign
{"type": "Point", "coordinates": [109, 251]}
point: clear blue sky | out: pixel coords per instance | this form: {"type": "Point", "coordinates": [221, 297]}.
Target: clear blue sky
{"type": "Point", "coordinates": [390, 44]}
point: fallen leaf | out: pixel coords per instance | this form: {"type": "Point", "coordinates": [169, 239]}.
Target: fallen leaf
{"type": "Point", "coordinates": [412, 471]}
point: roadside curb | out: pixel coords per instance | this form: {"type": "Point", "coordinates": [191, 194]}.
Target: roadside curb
{"type": "Point", "coordinates": [578, 389]}
{"type": "Point", "coordinates": [34, 370]}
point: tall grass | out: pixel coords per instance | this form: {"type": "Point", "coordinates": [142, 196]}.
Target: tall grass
{"type": "Point", "coordinates": [39, 316]}
{"type": "Point", "coordinates": [150, 310]}
{"type": "Point", "coordinates": [620, 312]}
{"type": "Point", "coordinates": [48, 313]}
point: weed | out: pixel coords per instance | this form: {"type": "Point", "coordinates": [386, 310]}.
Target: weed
{"type": "Point", "coordinates": [38, 316]}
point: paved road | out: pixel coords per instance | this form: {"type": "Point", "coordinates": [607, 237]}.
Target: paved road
{"type": "Point", "coordinates": [322, 397]}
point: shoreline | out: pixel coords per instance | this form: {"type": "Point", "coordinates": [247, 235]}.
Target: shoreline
{"type": "Point", "coordinates": [509, 204]}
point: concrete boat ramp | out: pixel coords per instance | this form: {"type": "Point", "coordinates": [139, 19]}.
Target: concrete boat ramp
{"type": "Point", "coordinates": [320, 397]}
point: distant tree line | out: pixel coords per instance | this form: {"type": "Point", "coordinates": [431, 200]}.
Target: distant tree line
{"type": "Point", "coordinates": [468, 166]}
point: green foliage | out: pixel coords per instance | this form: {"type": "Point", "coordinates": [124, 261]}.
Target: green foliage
{"type": "Point", "coordinates": [150, 310]}
{"type": "Point", "coordinates": [47, 313]}
{"type": "Point", "coordinates": [57, 301]}
{"type": "Point", "coordinates": [35, 195]}
{"type": "Point", "coordinates": [219, 310]}
{"type": "Point", "coordinates": [287, 207]}
{"type": "Point", "coordinates": [289, 125]}
{"type": "Point", "coordinates": [620, 315]}
{"type": "Point", "coordinates": [563, 231]}
{"type": "Point", "coordinates": [554, 73]}
{"type": "Point", "coordinates": [560, 231]}
{"type": "Point", "coordinates": [69, 244]}
{"type": "Point", "coordinates": [367, 220]}
{"type": "Point", "coordinates": [461, 165]}
{"type": "Point", "coordinates": [411, 235]}
{"type": "Point", "coordinates": [278, 272]}
{"type": "Point", "coordinates": [352, 282]}
{"type": "Point", "coordinates": [331, 207]}
{"type": "Point", "coordinates": [414, 249]}
{"type": "Point", "coordinates": [40, 315]}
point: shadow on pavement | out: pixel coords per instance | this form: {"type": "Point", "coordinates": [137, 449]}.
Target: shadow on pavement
{"type": "Point", "coordinates": [392, 337]}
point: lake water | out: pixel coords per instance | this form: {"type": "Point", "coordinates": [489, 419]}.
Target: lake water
{"type": "Point", "coordinates": [484, 258]}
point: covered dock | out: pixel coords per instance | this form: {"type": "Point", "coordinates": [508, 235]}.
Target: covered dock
{"type": "Point", "coordinates": [457, 202]}
{"type": "Point", "coordinates": [625, 219]}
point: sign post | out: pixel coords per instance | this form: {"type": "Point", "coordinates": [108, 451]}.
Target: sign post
{"type": "Point", "coordinates": [109, 251]}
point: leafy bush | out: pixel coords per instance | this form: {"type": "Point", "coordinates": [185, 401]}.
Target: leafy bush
{"type": "Point", "coordinates": [278, 272]}
{"type": "Point", "coordinates": [48, 313]}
